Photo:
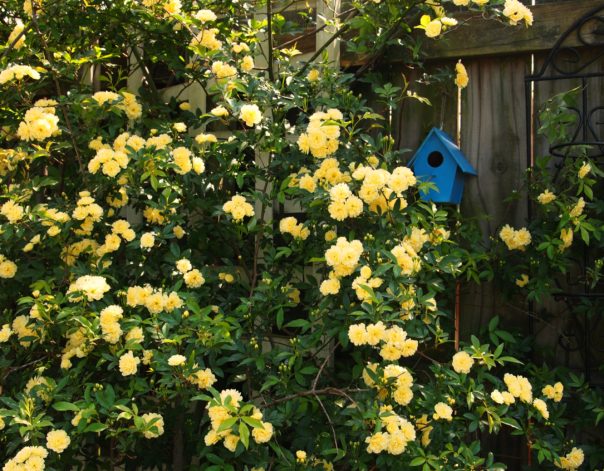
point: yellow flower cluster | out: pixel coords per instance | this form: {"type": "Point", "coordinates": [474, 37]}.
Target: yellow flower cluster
{"type": "Point", "coordinates": [204, 138]}
{"type": "Point", "coordinates": [128, 364]}
{"type": "Point", "coordinates": [159, 142]}
{"type": "Point", "coordinates": [584, 170]}
{"type": "Point", "coordinates": [517, 12]}
{"type": "Point", "coordinates": [103, 97]}
{"type": "Point", "coordinates": [185, 162]}
{"type": "Point", "coordinates": [566, 236]}
{"type": "Point", "coordinates": [8, 268]}
{"type": "Point", "coordinates": [461, 75]}
{"type": "Point", "coordinates": [321, 137]}
{"type": "Point", "coordinates": [546, 197]}
{"type": "Point", "coordinates": [406, 258]}
{"type": "Point", "coordinates": [119, 200]}
{"type": "Point", "coordinates": [206, 38]}
{"type": "Point", "coordinates": [289, 225]}
{"type": "Point", "coordinates": [35, 240]}
{"type": "Point", "coordinates": [71, 253]}
{"type": "Point", "coordinates": [76, 346]}
{"type": "Point", "coordinates": [223, 70]}
{"type": "Point", "coordinates": [395, 377]}
{"type": "Point", "coordinates": [23, 329]}
{"type": "Point", "coordinates": [135, 335]}
{"type": "Point", "coordinates": [41, 386]}
{"type": "Point", "coordinates": [250, 115]}
{"type": "Point", "coordinates": [51, 217]}
{"type": "Point", "coordinates": [229, 406]}
{"type": "Point", "coordinates": [393, 341]}
{"type": "Point", "coordinates": [5, 333]}
{"type": "Point", "coordinates": [154, 425]}
{"type": "Point", "coordinates": [572, 461]}
{"type": "Point", "coordinates": [554, 392]}
{"type": "Point", "coordinates": [328, 174]}
{"type": "Point", "coordinates": [87, 211]}
{"type": "Point", "coordinates": [18, 72]}
{"type": "Point", "coordinates": [519, 386]}
{"type": "Point", "coordinates": [502, 397]}
{"type": "Point", "coordinates": [462, 362]}
{"type": "Point", "coordinates": [16, 38]}
{"type": "Point", "coordinates": [379, 185]}
{"type": "Point", "coordinates": [522, 281]}
{"type": "Point", "coordinates": [12, 211]}
{"type": "Point", "coordinates": [93, 287]}
{"type": "Point", "coordinates": [343, 203]}
{"type": "Point", "coordinates": [57, 440]}
{"type": "Point", "coordinates": [39, 123]}
{"type": "Point", "coordinates": [155, 300]}
{"type": "Point", "coordinates": [443, 411]}
{"type": "Point", "coordinates": [434, 27]}
{"type": "Point", "coordinates": [238, 48]}
{"type": "Point", "coordinates": [120, 229]}
{"type": "Point", "coordinates": [126, 102]}
{"type": "Point", "coordinates": [109, 161]}
{"type": "Point", "coordinates": [365, 279]}
{"type": "Point", "coordinates": [30, 458]}
{"type": "Point", "coordinates": [172, 7]}
{"type": "Point", "coordinates": [515, 239]}
{"type": "Point", "coordinates": [577, 209]}
{"type": "Point", "coordinates": [541, 406]}
{"type": "Point", "coordinates": [9, 159]}
{"type": "Point", "coordinates": [313, 75]}
{"type": "Point", "coordinates": [247, 64]}
{"type": "Point", "coordinates": [344, 256]}
{"type": "Point", "coordinates": [177, 360]}
{"type": "Point", "coordinates": [228, 277]}
{"type": "Point", "coordinates": [205, 16]}
{"type": "Point", "coordinates": [204, 379]}
{"type": "Point", "coordinates": [238, 208]}
{"type": "Point", "coordinates": [423, 426]}
{"type": "Point", "coordinates": [399, 432]}
{"type": "Point", "coordinates": [109, 321]}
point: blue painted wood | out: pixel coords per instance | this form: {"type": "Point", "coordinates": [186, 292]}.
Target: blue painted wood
{"type": "Point", "coordinates": [440, 161]}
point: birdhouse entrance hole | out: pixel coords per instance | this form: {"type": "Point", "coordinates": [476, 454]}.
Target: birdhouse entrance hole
{"type": "Point", "coordinates": [435, 159]}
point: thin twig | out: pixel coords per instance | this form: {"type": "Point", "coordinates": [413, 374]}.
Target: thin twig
{"type": "Point", "coordinates": [145, 72]}
{"type": "Point", "coordinates": [327, 357]}
{"type": "Point", "coordinates": [269, 27]}
{"type": "Point", "coordinates": [59, 93]}
{"type": "Point", "coordinates": [333, 430]}
{"type": "Point", "coordinates": [329, 391]}
{"type": "Point", "coordinates": [11, 46]}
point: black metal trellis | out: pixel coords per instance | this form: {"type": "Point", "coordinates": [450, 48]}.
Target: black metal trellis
{"type": "Point", "coordinates": [566, 62]}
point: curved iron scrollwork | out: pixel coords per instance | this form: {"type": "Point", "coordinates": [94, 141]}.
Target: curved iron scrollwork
{"type": "Point", "coordinates": [576, 58]}
{"type": "Point", "coordinates": [567, 60]}
{"type": "Point", "coordinates": [564, 61]}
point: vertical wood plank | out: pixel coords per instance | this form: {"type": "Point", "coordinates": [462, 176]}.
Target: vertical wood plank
{"type": "Point", "coordinates": [493, 137]}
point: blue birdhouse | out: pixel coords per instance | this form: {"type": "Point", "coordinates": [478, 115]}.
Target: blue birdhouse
{"type": "Point", "coordinates": [439, 160]}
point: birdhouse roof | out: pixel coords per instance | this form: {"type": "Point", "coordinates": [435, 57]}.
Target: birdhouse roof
{"type": "Point", "coordinates": [450, 146]}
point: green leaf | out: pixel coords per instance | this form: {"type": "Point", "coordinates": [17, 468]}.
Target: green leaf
{"type": "Point", "coordinates": [255, 423]}
{"type": "Point", "coordinates": [298, 323]}
{"type": "Point", "coordinates": [63, 406]}
{"type": "Point", "coordinates": [244, 434]}
{"type": "Point", "coordinates": [227, 424]}
{"type": "Point", "coordinates": [417, 461]}
{"type": "Point", "coordinates": [511, 422]}
{"type": "Point", "coordinates": [95, 427]}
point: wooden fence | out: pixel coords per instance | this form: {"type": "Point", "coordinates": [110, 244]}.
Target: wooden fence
{"type": "Point", "coordinates": [493, 130]}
